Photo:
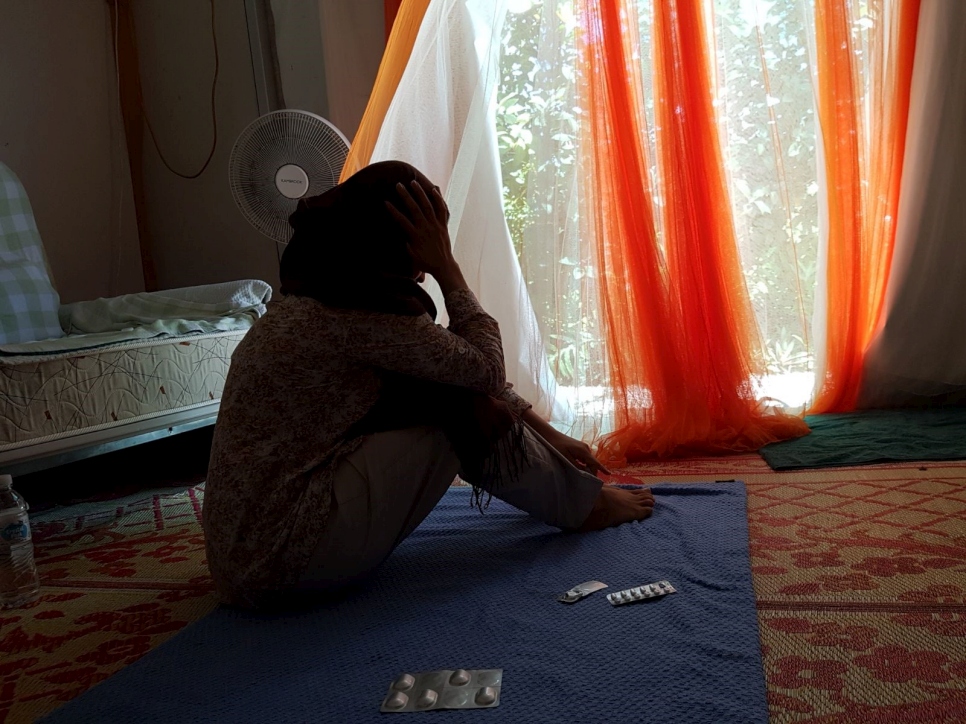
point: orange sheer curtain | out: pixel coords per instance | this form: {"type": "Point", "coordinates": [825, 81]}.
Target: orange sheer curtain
{"type": "Point", "coordinates": [682, 340]}
{"type": "Point", "coordinates": [405, 27]}
{"type": "Point", "coordinates": [863, 108]}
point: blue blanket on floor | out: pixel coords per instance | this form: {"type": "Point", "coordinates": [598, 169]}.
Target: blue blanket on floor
{"type": "Point", "coordinates": [472, 591]}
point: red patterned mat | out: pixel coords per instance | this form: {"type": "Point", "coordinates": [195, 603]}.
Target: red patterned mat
{"type": "Point", "coordinates": [860, 575]}
{"type": "Point", "coordinates": [118, 579]}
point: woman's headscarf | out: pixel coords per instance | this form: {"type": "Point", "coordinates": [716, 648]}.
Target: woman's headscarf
{"type": "Point", "coordinates": [348, 252]}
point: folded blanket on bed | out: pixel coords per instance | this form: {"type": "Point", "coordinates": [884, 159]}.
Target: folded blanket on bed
{"type": "Point", "coordinates": [225, 307]}
{"type": "Point", "coordinates": [171, 311]}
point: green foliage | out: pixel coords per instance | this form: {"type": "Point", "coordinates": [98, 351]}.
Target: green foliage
{"type": "Point", "coordinates": [530, 102]}
{"type": "Point", "coordinates": [765, 104]}
{"type": "Point", "coordinates": [537, 128]}
{"type": "Point", "coordinates": [766, 107]}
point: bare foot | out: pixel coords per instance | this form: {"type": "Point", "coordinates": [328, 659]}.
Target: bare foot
{"type": "Point", "coordinates": [618, 505]}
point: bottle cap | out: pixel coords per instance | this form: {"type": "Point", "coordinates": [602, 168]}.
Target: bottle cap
{"type": "Point", "coordinates": [6, 482]}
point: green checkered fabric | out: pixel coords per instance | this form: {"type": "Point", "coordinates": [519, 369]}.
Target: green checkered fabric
{"type": "Point", "coordinates": [28, 301]}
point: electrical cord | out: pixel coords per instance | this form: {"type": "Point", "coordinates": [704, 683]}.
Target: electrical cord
{"type": "Point", "coordinates": [214, 114]}
{"type": "Point", "coordinates": [115, 275]}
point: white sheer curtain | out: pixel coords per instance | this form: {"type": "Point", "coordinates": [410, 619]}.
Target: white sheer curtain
{"type": "Point", "coordinates": [442, 120]}
{"type": "Point", "coordinates": [538, 127]}
{"type": "Point", "coordinates": [919, 354]}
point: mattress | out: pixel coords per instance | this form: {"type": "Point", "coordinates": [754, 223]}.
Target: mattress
{"type": "Point", "coordinates": [61, 395]}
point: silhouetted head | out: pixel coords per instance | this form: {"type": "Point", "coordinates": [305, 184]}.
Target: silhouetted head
{"type": "Point", "coordinates": [348, 251]}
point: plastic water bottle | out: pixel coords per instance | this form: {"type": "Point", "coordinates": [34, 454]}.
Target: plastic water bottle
{"type": "Point", "coordinates": [19, 582]}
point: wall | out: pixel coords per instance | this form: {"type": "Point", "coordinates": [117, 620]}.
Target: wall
{"type": "Point", "coordinates": [329, 52]}
{"type": "Point", "coordinates": [199, 235]}
{"type": "Point", "coordinates": [61, 133]}
{"type": "Point", "coordinates": [353, 39]}
{"type": "Point", "coordinates": [60, 129]}
{"type": "Point", "coordinates": [301, 61]}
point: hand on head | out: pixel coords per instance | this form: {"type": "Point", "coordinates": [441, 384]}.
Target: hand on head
{"type": "Point", "coordinates": [425, 225]}
{"type": "Point", "coordinates": [384, 224]}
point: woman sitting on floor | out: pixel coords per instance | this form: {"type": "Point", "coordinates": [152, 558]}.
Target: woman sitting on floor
{"type": "Point", "coordinates": [348, 411]}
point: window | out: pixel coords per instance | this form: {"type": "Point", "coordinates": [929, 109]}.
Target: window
{"type": "Point", "coordinates": [767, 123]}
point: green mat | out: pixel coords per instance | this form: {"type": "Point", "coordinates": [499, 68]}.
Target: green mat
{"type": "Point", "coordinates": [873, 436]}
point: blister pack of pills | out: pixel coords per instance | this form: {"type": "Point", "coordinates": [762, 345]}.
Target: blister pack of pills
{"type": "Point", "coordinates": [640, 593]}
{"type": "Point", "coordinates": [445, 689]}
{"type": "Point", "coordinates": [580, 591]}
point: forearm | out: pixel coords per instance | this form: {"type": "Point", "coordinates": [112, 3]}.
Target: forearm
{"type": "Point", "coordinates": [450, 278]}
{"type": "Point", "coordinates": [541, 426]}
{"type": "Point", "coordinates": [470, 357]}
{"type": "Point", "coordinates": [577, 452]}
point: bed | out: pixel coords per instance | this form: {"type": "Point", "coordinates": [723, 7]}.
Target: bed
{"type": "Point", "coordinates": [92, 376]}
{"type": "Point", "coordinates": [131, 369]}
{"type": "Point", "coordinates": [72, 405]}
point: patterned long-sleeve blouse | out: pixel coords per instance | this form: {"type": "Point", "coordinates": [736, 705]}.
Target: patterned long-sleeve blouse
{"type": "Point", "coordinates": [299, 380]}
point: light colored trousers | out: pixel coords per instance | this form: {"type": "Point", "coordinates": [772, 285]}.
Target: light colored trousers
{"type": "Point", "coordinates": [386, 487]}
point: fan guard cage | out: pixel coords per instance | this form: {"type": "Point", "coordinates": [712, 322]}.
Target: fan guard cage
{"type": "Point", "coordinates": [275, 140]}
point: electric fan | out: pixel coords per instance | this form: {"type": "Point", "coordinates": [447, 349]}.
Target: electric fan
{"type": "Point", "coordinates": [281, 157]}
